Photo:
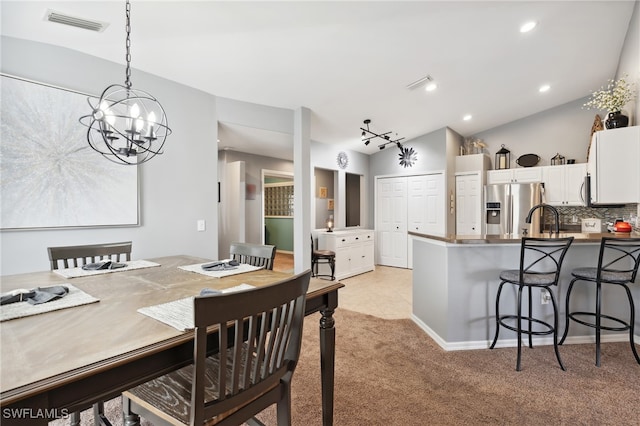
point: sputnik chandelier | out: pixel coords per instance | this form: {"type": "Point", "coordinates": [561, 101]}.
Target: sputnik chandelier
{"type": "Point", "coordinates": [126, 126]}
{"type": "Point", "coordinates": [367, 135]}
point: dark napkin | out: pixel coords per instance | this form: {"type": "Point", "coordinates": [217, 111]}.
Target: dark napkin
{"type": "Point", "coordinates": [36, 296]}
{"type": "Point", "coordinates": [107, 264]}
{"type": "Point", "coordinates": [220, 266]}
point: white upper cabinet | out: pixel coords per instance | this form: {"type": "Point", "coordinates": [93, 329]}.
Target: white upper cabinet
{"type": "Point", "coordinates": [520, 175]}
{"type": "Point", "coordinates": [564, 185]}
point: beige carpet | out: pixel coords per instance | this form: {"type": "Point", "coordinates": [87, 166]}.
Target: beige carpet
{"type": "Point", "coordinates": [388, 372]}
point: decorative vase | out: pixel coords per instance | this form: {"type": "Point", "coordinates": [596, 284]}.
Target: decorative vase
{"type": "Point", "coordinates": [616, 119]}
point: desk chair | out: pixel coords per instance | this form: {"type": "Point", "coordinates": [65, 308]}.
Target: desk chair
{"type": "Point", "coordinates": [253, 254]}
{"type": "Point", "coordinates": [73, 257]}
{"type": "Point", "coordinates": [617, 265]}
{"type": "Point", "coordinates": [540, 263]}
{"type": "Point", "coordinates": [266, 325]}
{"type": "Point", "coordinates": [318, 257]}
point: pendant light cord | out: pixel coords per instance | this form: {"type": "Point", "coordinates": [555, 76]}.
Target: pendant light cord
{"type": "Point", "coordinates": [127, 82]}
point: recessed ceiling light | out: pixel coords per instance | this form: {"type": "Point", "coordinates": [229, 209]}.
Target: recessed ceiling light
{"type": "Point", "coordinates": [467, 117]}
{"type": "Point", "coordinates": [431, 86]}
{"type": "Point", "coordinates": [544, 88]}
{"type": "Point", "coordinates": [528, 26]}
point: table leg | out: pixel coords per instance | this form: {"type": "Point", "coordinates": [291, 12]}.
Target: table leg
{"type": "Point", "coordinates": [130, 418]}
{"type": "Point", "coordinates": [327, 363]}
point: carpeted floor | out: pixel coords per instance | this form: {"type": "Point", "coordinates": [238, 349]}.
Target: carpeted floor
{"type": "Point", "coordinates": [388, 372]}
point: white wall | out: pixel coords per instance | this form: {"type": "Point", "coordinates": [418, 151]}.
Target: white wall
{"type": "Point", "coordinates": [176, 189]}
{"type": "Point", "coordinates": [630, 63]}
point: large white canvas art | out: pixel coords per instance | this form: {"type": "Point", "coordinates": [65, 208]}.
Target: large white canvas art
{"type": "Point", "coordinates": [49, 175]}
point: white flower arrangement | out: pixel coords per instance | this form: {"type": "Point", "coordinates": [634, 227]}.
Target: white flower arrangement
{"type": "Point", "coordinates": [614, 97]}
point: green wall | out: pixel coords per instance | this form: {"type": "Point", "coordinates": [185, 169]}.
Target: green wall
{"type": "Point", "coordinates": [279, 232]}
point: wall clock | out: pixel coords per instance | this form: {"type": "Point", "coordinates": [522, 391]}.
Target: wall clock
{"type": "Point", "coordinates": [343, 160]}
{"type": "Point", "coordinates": [408, 157]}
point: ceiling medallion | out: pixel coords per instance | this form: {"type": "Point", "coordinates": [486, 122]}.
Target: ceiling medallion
{"type": "Point", "coordinates": [407, 156]}
{"type": "Point", "coordinates": [343, 160]}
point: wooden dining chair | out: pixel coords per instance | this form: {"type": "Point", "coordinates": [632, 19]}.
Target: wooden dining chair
{"type": "Point", "coordinates": [73, 257]}
{"type": "Point", "coordinates": [254, 254]}
{"type": "Point", "coordinates": [256, 349]}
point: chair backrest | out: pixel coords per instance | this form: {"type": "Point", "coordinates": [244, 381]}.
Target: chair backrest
{"type": "Point", "coordinates": [269, 321]}
{"type": "Point", "coordinates": [75, 256]}
{"type": "Point", "coordinates": [619, 258]}
{"type": "Point", "coordinates": [253, 254]}
{"type": "Point", "coordinates": [543, 256]}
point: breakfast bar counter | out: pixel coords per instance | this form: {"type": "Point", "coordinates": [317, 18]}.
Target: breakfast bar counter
{"type": "Point", "coordinates": [455, 281]}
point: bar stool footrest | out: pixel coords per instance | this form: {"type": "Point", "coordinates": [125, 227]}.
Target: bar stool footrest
{"type": "Point", "coordinates": [625, 326]}
{"type": "Point", "coordinates": [550, 328]}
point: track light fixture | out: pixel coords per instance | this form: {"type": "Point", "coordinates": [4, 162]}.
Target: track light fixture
{"type": "Point", "coordinates": [367, 135]}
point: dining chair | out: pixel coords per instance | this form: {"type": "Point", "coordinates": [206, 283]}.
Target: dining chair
{"type": "Point", "coordinates": [253, 254]}
{"type": "Point", "coordinates": [256, 349]}
{"type": "Point", "coordinates": [540, 263]}
{"type": "Point", "coordinates": [319, 257]}
{"type": "Point", "coordinates": [618, 263]}
{"type": "Point", "coordinates": [73, 257]}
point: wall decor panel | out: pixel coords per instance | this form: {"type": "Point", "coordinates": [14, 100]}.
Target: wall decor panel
{"type": "Point", "coordinates": [49, 176]}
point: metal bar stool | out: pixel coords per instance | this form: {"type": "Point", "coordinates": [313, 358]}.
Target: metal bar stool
{"type": "Point", "coordinates": [540, 263]}
{"type": "Point", "coordinates": [618, 265]}
{"type": "Point", "coordinates": [322, 256]}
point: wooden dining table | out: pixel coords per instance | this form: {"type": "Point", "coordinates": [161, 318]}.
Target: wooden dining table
{"type": "Point", "coordinates": [62, 361]}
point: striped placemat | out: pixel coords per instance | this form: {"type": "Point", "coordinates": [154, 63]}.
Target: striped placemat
{"type": "Point", "coordinates": [179, 313]}
{"type": "Point", "coordinates": [79, 272]}
{"type": "Point", "coordinates": [241, 269]}
{"type": "Point", "coordinates": [75, 297]}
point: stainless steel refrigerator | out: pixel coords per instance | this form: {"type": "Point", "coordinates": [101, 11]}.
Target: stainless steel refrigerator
{"type": "Point", "coordinates": [507, 206]}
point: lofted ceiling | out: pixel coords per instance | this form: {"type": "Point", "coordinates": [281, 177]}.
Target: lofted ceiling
{"type": "Point", "coordinates": [351, 61]}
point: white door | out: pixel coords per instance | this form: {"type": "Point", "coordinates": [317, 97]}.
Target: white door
{"type": "Point", "coordinates": [391, 221]}
{"type": "Point", "coordinates": [435, 204]}
{"type": "Point", "coordinates": [416, 203]}
{"type": "Point", "coordinates": [468, 204]}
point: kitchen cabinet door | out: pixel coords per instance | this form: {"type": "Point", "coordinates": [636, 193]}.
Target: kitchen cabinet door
{"type": "Point", "coordinates": [521, 175]}
{"type": "Point", "coordinates": [564, 185]}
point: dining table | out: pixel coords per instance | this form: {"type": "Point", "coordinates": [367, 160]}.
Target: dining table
{"type": "Point", "coordinates": [63, 361]}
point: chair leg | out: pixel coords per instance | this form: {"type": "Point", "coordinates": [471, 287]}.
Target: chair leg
{"type": "Point", "coordinates": [566, 312]}
{"type": "Point", "coordinates": [332, 263]}
{"type": "Point", "coordinates": [530, 316]}
{"type": "Point", "coordinates": [598, 320]}
{"type": "Point", "coordinates": [555, 329]}
{"type": "Point", "coordinates": [75, 418]}
{"type": "Point", "coordinates": [519, 327]}
{"type": "Point", "coordinates": [632, 320]}
{"type": "Point", "coordinates": [283, 408]}
{"type": "Point", "coordinates": [495, 339]}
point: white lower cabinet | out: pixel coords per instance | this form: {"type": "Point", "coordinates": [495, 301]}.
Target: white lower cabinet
{"type": "Point", "coordinates": [354, 251]}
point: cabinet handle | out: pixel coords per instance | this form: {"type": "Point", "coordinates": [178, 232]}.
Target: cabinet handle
{"type": "Point", "coordinates": [357, 238]}
{"type": "Point", "coordinates": [343, 240]}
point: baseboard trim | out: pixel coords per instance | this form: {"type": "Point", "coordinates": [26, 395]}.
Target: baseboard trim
{"type": "Point", "coordinates": [510, 343]}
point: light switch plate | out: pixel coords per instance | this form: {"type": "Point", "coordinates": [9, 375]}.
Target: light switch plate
{"type": "Point", "coordinates": [201, 225]}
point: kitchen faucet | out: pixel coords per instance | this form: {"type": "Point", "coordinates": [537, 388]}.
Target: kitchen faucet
{"type": "Point", "coordinates": [553, 209]}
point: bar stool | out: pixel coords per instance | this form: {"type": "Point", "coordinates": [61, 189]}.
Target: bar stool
{"type": "Point", "coordinates": [322, 256]}
{"type": "Point", "coordinates": [540, 263]}
{"type": "Point", "coordinates": [617, 264]}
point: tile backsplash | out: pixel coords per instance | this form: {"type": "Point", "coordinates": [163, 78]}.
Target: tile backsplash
{"type": "Point", "coordinates": [572, 215]}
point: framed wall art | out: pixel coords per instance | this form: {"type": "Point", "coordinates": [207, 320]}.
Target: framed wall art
{"type": "Point", "coordinates": [49, 175]}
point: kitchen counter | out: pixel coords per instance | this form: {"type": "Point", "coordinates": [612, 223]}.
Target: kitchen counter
{"type": "Point", "coordinates": [503, 239]}
{"type": "Point", "coordinates": [455, 281]}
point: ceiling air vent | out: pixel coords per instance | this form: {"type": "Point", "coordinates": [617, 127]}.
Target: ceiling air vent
{"type": "Point", "coordinates": [62, 18]}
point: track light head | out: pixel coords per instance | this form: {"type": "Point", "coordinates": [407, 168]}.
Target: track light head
{"type": "Point", "coordinates": [399, 145]}
{"type": "Point", "coordinates": [382, 147]}
{"type": "Point", "coordinates": [367, 142]}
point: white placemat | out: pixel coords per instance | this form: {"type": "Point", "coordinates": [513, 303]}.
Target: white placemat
{"type": "Point", "coordinates": [79, 272]}
{"type": "Point", "coordinates": [75, 297]}
{"type": "Point", "coordinates": [179, 313]}
{"type": "Point", "coordinates": [241, 269]}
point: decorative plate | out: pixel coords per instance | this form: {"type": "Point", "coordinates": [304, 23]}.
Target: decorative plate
{"type": "Point", "coordinates": [343, 160]}
{"type": "Point", "coordinates": [528, 160]}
